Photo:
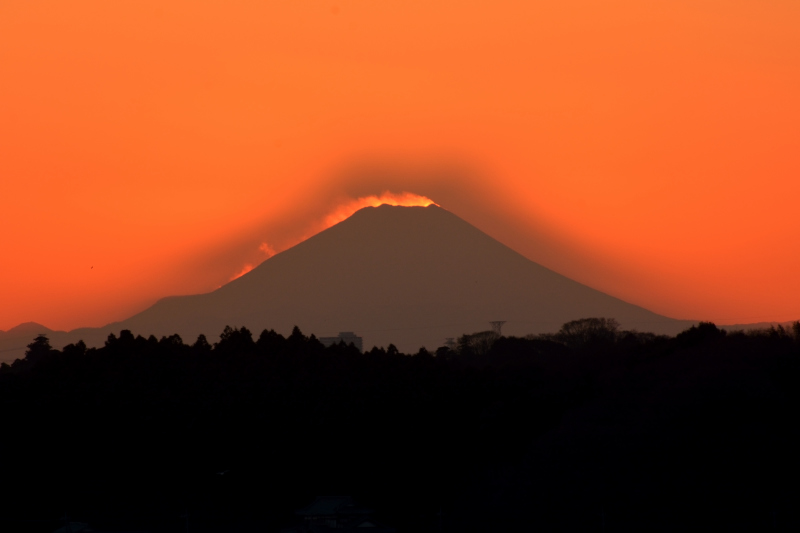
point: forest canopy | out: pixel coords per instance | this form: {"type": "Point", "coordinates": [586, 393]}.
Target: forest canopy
{"type": "Point", "coordinates": [548, 431]}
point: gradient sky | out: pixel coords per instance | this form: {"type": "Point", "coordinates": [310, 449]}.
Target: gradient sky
{"type": "Point", "coordinates": [647, 149]}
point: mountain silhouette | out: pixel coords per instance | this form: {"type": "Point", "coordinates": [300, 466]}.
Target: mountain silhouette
{"type": "Point", "coordinates": [25, 329]}
{"type": "Point", "coordinates": [410, 276]}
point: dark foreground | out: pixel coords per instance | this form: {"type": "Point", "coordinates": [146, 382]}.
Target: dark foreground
{"type": "Point", "coordinates": [589, 430]}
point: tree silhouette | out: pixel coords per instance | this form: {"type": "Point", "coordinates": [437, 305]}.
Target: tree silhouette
{"type": "Point", "coordinates": [235, 341]}
{"type": "Point", "coordinates": [701, 333]}
{"type": "Point", "coordinates": [38, 349]}
{"type": "Point", "coordinates": [201, 345]}
{"type": "Point", "coordinates": [476, 344]}
{"type": "Point", "coordinates": [588, 332]}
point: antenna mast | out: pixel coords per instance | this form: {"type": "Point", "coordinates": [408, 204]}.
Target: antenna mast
{"type": "Point", "coordinates": [497, 326]}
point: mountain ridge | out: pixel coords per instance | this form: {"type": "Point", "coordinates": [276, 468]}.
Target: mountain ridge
{"type": "Point", "coordinates": [25, 328]}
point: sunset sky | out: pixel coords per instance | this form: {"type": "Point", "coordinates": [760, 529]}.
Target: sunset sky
{"type": "Point", "coordinates": [649, 149]}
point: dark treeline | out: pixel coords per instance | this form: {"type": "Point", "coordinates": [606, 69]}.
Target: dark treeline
{"type": "Point", "coordinates": [590, 428]}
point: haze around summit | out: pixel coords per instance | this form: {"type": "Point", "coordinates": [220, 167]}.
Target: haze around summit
{"type": "Point", "coordinates": [647, 150]}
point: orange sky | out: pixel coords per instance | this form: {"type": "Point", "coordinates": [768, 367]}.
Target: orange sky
{"type": "Point", "coordinates": [647, 149]}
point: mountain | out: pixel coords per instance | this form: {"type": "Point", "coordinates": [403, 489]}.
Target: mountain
{"type": "Point", "coordinates": [24, 330]}
{"type": "Point", "coordinates": [410, 276]}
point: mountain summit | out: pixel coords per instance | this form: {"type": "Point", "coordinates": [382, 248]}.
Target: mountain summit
{"type": "Point", "coordinates": [410, 276]}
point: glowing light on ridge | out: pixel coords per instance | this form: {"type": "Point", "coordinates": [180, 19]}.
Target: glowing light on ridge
{"type": "Point", "coordinates": [245, 269]}
{"type": "Point", "coordinates": [406, 199]}
{"type": "Point", "coordinates": [342, 212]}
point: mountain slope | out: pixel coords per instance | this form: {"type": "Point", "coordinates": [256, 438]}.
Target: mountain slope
{"type": "Point", "coordinates": [404, 275]}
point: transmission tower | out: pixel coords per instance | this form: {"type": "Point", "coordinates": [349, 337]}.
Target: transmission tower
{"type": "Point", "coordinates": [497, 326]}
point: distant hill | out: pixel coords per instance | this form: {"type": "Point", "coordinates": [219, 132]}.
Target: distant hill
{"type": "Point", "coordinates": [24, 330]}
{"type": "Point", "coordinates": [14, 341]}
{"type": "Point", "coordinates": [410, 276]}
{"type": "Point", "coordinates": [756, 325]}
